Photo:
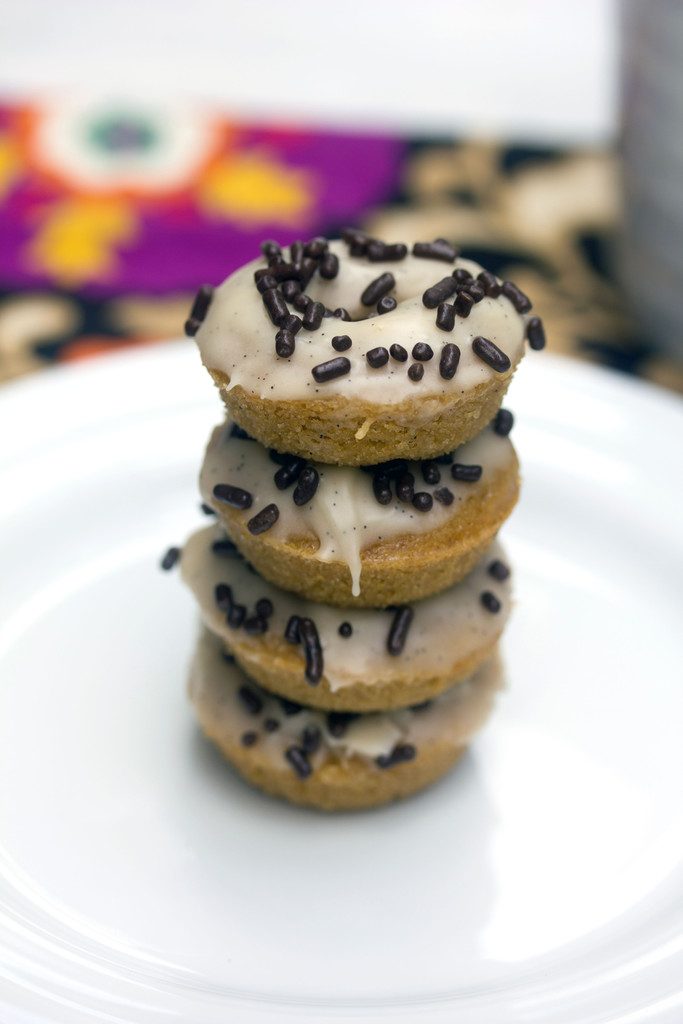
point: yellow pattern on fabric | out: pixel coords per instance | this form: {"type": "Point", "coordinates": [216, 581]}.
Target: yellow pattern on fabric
{"type": "Point", "coordinates": [9, 164]}
{"type": "Point", "coordinates": [77, 239]}
{"type": "Point", "coordinates": [253, 187]}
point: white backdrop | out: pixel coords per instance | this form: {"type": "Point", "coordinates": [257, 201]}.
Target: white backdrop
{"type": "Point", "coordinates": [535, 68]}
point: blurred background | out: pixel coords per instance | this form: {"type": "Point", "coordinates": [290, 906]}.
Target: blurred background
{"type": "Point", "coordinates": [147, 147]}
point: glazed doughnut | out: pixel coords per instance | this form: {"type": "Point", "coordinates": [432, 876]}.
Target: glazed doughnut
{"type": "Point", "coordinates": [414, 363]}
{"type": "Point", "coordinates": [346, 659]}
{"type": "Point", "coordinates": [333, 761]}
{"type": "Point", "coordinates": [342, 536]}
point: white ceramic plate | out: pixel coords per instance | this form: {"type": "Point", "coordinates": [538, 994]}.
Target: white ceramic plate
{"type": "Point", "coordinates": [141, 881]}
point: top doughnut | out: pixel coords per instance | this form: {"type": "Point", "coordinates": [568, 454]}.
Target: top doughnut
{"type": "Point", "coordinates": [354, 352]}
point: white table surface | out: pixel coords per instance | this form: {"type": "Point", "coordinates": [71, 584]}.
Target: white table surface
{"type": "Point", "coordinates": [536, 69]}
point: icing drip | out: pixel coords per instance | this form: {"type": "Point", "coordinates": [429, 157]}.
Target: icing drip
{"type": "Point", "coordinates": [344, 517]}
{"type": "Point", "coordinates": [453, 716]}
{"type": "Point", "coordinates": [446, 628]}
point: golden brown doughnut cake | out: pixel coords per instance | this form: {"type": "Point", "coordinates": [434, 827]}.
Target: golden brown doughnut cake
{"type": "Point", "coordinates": [334, 761]}
{"type": "Point", "coordinates": [414, 364]}
{"type": "Point", "coordinates": [352, 538]}
{"type": "Point", "coordinates": [346, 659]}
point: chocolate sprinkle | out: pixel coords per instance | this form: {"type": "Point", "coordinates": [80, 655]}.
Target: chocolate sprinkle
{"type": "Point", "coordinates": [416, 372]}
{"type": "Point", "coordinates": [355, 238]}
{"type": "Point", "coordinates": [461, 275]}
{"type": "Point", "coordinates": [255, 625]}
{"type": "Point", "coordinates": [490, 602]}
{"type": "Point", "coordinates": [235, 616]}
{"type": "Point", "coordinates": [489, 283]}
{"type": "Point", "coordinates": [422, 501]}
{"type": "Point", "coordinates": [264, 607]}
{"type": "Point", "coordinates": [381, 286]}
{"type": "Point", "coordinates": [448, 363]}
{"type": "Point", "coordinates": [444, 496]}
{"type": "Point", "coordinates": [292, 323]}
{"type": "Point", "coordinates": [271, 725]}
{"type": "Point", "coordinates": [278, 458]}
{"type": "Point", "coordinates": [266, 282]}
{"type": "Point", "coordinates": [312, 651]}
{"type": "Point", "coordinates": [191, 327]}
{"type": "Point", "coordinates": [207, 510]}
{"type": "Point", "coordinates": [422, 351]}
{"type": "Point", "coordinates": [240, 434]}
{"type": "Point", "coordinates": [329, 266]}
{"type": "Point", "coordinates": [264, 520]}
{"type": "Point", "coordinates": [345, 630]}
{"type": "Point", "coordinates": [475, 290]}
{"type": "Point", "coordinates": [290, 707]}
{"type": "Point", "coordinates": [296, 252]}
{"type": "Point", "coordinates": [466, 474]}
{"type": "Point", "coordinates": [405, 487]}
{"type": "Point", "coordinates": [439, 292]}
{"type": "Point", "coordinates": [224, 548]}
{"type": "Point", "coordinates": [439, 249]}
{"type": "Point", "coordinates": [535, 333]}
{"type": "Point", "coordinates": [463, 304]}
{"type": "Point", "coordinates": [289, 472]}
{"type": "Point", "coordinates": [201, 303]}
{"type": "Point", "coordinates": [285, 343]}
{"type": "Point", "coordinates": [332, 369]}
{"type": "Point", "coordinates": [503, 422]}
{"type": "Point", "coordinates": [519, 300]}
{"type": "Point", "coordinates": [292, 630]}
{"type": "Point", "coordinates": [430, 472]}
{"type": "Point", "coordinates": [251, 700]}
{"type": "Point", "coordinates": [398, 631]}
{"type": "Point", "coordinates": [401, 752]}
{"type": "Point", "coordinates": [299, 761]}
{"type": "Point", "coordinates": [275, 304]}
{"type": "Point", "coordinates": [301, 302]}
{"type": "Point", "coordinates": [307, 485]}
{"type": "Point", "coordinates": [316, 247]}
{"type": "Point", "coordinates": [377, 357]}
{"type": "Point", "coordinates": [445, 316]}
{"type": "Point", "coordinates": [381, 487]}
{"type": "Point", "coordinates": [498, 570]}
{"type": "Point", "coordinates": [491, 354]}
{"type": "Point", "coordinates": [170, 558]}
{"type": "Point", "coordinates": [339, 721]}
{"type": "Point", "coordinates": [313, 316]}
{"type": "Point", "coordinates": [311, 738]}
{"type": "Point", "coordinates": [376, 251]}
{"type": "Point", "coordinates": [248, 739]}
{"type": "Point", "coordinates": [222, 595]}
{"type": "Point", "coordinates": [386, 305]}
{"type": "Point", "coordinates": [341, 313]}
{"type": "Point", "coordinates": [290, 289]}
{"type": "Point", "coordinates": [233, 496]}
{"type": "Point", "coordinates": [270, 248]}
{"type": "Point", "coordinates": [398, 353]}
{"type": "Point", "coordinates": [341, 343]}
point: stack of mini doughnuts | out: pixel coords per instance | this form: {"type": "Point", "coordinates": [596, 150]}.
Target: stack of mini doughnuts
{"type": "Point", "coordinates": [351, 587]}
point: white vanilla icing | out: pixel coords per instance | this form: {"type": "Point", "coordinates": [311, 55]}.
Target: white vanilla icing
{"type": "Point", "coordinates": [455, 716]}
{"type": "Point", "coordinates": [344, 517]}
{"type": "Point", "coordinates": [446, 628]}
{"type": "Point", "coordinates": [237, 335]}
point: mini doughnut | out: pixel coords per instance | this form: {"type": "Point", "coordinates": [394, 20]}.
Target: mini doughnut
{"type": "Point", "coordinates": [343, 536]}
{"type": "Point", "coordinates": [346, 659]}
{"type": "Point", "coordinates": [411, 378]}
{"type": "Point", "coordinates": [333, 761]}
